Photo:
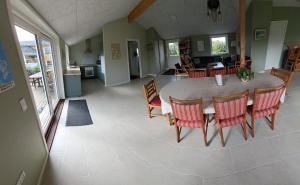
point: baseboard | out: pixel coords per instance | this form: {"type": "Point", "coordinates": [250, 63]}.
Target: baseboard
{"type": "Point", "coordinates": [43, 170]}
{"type": "Point", "coordinates": [154, 75]}
{"type": "Point", "coordinates": [116, 84]}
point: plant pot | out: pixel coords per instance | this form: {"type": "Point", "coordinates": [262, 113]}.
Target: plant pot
{"type": "Point", "coordinates": [246, 79]}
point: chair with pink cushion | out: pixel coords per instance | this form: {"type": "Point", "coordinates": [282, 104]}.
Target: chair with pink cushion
{"type": "Point", "coordinates": [230, 111]}
{"type": "Point", "coordinates": [217, 71]}
{"type": "Point", "coordinates": [188, 113]}
{"type": "Point", "coordinates": [197, 73]}
{"type": "Point", "coordinates": [232, 69]}
{"type": "Point", "coordinates": [151, 97]}
{"type": "Point", "coordinates": [265, 103]}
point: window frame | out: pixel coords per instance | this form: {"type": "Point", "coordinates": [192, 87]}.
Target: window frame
{"type": "Point", "coordinates": [168, 47]}
{"type": "Point", "coordinates": [217, 36]}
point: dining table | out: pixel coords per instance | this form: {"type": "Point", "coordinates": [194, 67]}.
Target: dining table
{"type": "Point", "coordinates": [207, 88]}
{"type": "Point", "coordinates": [36, 79]}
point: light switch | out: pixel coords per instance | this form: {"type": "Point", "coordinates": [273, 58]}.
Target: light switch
{"type": "Point", "coordinates": [23, 104]}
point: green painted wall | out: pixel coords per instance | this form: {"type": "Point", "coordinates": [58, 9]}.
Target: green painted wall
{"type": "Point", "coordinates": [119, 31]}
{"type": "Point", "coordinates": [21, 141]}
{"type": "Point", "coordinates": [261, 16]}
{"type": "Point", "coordinates": [292, 15]}
{"type": "Point", "coordinates": [78, 54]}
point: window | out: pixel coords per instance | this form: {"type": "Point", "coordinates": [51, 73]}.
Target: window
{"type": "Point", "coordinates": [173, 49]}
{"type": "Point", "coordinates": [219, 45]}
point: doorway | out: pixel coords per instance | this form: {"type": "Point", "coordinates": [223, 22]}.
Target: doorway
{"type": "Point", "coordinates": [40, 69]}
{"type": "Point", "coordinates": [133, 59]}
{"type": "Point", "coordinates": [275, 44]}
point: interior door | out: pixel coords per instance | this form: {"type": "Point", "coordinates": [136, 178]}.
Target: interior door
{"type": "Point", "coordinates": [275, 44]}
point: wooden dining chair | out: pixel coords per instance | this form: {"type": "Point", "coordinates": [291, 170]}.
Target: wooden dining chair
{"type": "Point", "coordinates": [151, 97]}
{"type": "Point", "coordinates": [232, 69]}
{"type": "Point", "coordinates": [294, 59]}
{"type": "Point", "coordinates": [284, 75]}
{"type": "Point", "coordinates": [248, 64]}
{"type": "Point", "coordinates": [188, 113]}
{"type": "Point", "coordinates": [265, 103]}
{"type": "Point", "coordinates": [180, 72]}
{"type": "Point", "coordinates": [197, 73]}
{"type": "Point", "coordinates": [230, 111]}
{"type": "Point", "coordinates": [217, 71]}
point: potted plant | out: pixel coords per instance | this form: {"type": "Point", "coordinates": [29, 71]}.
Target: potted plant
{"type": "Point", "coordinates": [245, 74]}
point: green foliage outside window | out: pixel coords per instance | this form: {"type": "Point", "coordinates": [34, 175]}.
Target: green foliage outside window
{"type": "Point", "coordinates": [173, 49]}
{"type": "Point", "coordinates": [218, 45]}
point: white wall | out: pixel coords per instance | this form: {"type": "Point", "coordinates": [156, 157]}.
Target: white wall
{"type": "Point", "coordinates": [117, 71]}
{"type": "Point", "coordinates": [21, 141]}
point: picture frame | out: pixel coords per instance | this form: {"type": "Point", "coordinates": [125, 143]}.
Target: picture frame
{"type": "Point", "coordinates": [115, 51]}
{"type": "Point", "coordinates": [260, 34]}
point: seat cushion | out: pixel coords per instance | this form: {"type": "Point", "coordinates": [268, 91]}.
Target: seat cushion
{"type": "Point", "coordinates": [262, 113]}
{"type": "Point", "coordinates": [231, 121]}
{"type": "Point", "coordinates": [190, 124]}
{"type": "Point", "coordinates": [155, 101]}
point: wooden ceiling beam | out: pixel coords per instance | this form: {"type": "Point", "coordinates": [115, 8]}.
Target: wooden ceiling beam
{"type": "Point", "coordinates": [139, 9]}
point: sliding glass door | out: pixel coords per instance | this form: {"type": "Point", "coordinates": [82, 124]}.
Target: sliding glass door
{"type": "Point", "coordinates": [39, 64]}
{"type": "Point", "coordinates": [47, 56]}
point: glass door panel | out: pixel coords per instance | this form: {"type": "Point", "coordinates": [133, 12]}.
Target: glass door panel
{"type": "Point", "coordinates": [35, 75]}
{"type": "Point", "coordinates": [47, 56]}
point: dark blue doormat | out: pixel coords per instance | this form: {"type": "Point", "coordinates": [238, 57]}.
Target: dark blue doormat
{"type": "Point", "coordinates": [78, 113]}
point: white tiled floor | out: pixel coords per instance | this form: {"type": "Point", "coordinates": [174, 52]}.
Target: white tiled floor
{"type": "Point", "coordinates": [124, 147]}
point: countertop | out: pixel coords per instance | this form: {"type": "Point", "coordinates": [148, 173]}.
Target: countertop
{"type": "Point", "coordinates": [72, 71]}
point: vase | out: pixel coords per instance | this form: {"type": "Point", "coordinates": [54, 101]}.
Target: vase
{"type": "Point", "coordinates": [245, 79]}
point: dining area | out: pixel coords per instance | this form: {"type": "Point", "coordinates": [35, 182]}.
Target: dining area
{"type": "Point", "coordinates": [222, 99]}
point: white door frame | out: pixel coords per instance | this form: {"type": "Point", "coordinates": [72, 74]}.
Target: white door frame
{"type": "Point", "coordinates": [140, 66]}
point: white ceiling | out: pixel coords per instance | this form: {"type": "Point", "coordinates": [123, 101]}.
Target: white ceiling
{"type": "Point", "coordinates": [177, 18]}
{"type": "Point", "coordinates": [76, 20]}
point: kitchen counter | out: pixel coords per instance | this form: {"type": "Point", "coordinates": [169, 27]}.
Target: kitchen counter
{"type": "Point", "coordinates": [72, 71]}
{"type": "Point", "coordinates": [72, 82]}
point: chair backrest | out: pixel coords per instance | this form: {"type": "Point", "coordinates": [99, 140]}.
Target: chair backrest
{"type": "Point", "coordinates": [150, 90]}
{"type": "Point", "coordinates": [228, 107]}
{"type": "Point", "coordinates": [284, 75]}
{"type": "Point", "coordinates": [197, 73]}
{"type": "Point", "coordinates": [248, 64]}
{"type": "Point", "coordinates": [232, 69]}
{"type": "Point", "coordinates": [217, 71]}
{"type": "Point", "coordinates": [293, 53]}
{"type": "Point", "coordinates": [187, 67]}
{"type": "Point", "coordinates": [187, 110]}
{"type": "Point", "coordinates": [177, 66]}
{"type": "Point", "coordinates": [265, 99]}
{"type": "Point", "coordinates": [238, 64]}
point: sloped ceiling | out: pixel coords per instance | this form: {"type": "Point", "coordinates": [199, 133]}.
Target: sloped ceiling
{"type": "Point", "coordinates": [177, 18]}
{"type": "Point", "coordinates": [76, 20]}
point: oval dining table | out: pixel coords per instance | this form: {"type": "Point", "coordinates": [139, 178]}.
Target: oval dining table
{"type": "Point", "coordinates": [206, 88]}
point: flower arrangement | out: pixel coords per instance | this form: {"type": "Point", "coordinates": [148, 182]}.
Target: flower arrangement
{"type": "Point", "coordinates": [245, 74]}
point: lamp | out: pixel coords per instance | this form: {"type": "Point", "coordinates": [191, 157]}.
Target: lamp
{"type": "Point", "coordinates": [213, 10]}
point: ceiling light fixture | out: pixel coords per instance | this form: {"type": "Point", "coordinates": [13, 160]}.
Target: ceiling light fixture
{"type": "Point", "coordinates": [213, 10]}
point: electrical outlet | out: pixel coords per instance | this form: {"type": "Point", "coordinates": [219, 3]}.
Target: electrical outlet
{"type": "Point", "coordinates": [23, 104]}
{"type": "Point", "coordinates": [21, 178]}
